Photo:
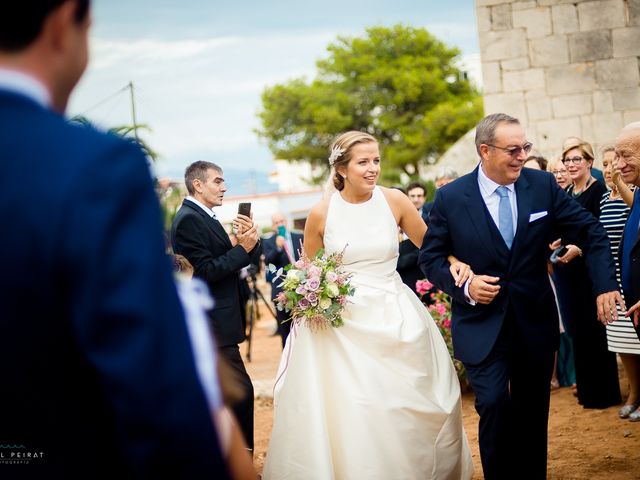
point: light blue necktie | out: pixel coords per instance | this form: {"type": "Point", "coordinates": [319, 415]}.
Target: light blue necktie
{"type": "Point", "coordinates": [505, 217]}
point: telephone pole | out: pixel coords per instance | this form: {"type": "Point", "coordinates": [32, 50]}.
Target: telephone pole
{"type": "Point", "coordinates": [133, 112]}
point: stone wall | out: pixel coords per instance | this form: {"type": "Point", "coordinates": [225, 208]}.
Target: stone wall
{"type": "Point", "coordinates": [563, 67]}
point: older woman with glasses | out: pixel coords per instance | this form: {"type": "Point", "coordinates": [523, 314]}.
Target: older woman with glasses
{"type": "Point", "coordinates": [557, 168]}
{"type": "Point", "coordinates": [596, 367]}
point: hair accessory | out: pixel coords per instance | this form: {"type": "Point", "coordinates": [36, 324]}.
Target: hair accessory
{"type": "Point", "coordinates": [336, 153]}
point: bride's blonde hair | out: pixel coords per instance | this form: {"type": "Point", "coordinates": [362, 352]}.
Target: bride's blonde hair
{"type": "Point", "coordinates": [345, 142]}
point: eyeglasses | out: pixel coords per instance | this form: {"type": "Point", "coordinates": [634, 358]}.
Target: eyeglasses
{"type": "Point", "coordinates": [515, 151]}
{"type": "Point", "coordinates": [559, 172]}
{"type": "Point", "coordinates": [574, 160]}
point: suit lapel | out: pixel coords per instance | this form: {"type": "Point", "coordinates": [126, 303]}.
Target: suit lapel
{"type": "Point", "coordinates": [214, 225]}
{"type": "Point", "coordinates": [481, 218]}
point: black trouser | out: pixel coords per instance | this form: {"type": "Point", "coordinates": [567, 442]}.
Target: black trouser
{"type": "Point", "coordinates": [243, 409]}
{"type": "Point", "coordinates": [512, 399]}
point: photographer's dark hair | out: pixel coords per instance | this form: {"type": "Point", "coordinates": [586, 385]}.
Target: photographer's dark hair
{"type": "Point", "coordinates": [22, 20]}
{"type": "Point", "coordinates": [198, 170]}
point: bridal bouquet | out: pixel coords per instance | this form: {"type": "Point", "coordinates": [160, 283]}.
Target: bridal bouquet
{"type": "Point", "coordinates": [315, 290]}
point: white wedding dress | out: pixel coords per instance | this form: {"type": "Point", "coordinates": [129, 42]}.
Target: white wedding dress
{"type": "Point", "coordinates": [377, 398]}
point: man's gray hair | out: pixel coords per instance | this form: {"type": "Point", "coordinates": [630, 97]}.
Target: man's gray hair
{"type": "Point", "coordinates": [198, 171]}
{"type": "Point", "coordinates": [486, 129]}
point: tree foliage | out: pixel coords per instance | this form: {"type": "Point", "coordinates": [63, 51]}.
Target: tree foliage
{"type": "Point", "coordinates": [400, 84]}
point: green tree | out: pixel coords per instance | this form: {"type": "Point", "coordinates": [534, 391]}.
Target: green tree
{"type": "Point", "coordinates": [400, 84]}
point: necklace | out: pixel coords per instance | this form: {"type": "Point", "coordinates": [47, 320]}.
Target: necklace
{"type": "Point", "coordinates": [577, 194]}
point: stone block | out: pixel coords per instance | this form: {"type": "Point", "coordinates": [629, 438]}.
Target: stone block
{"type": "Point", "coordinates": [574, 78]}
{"type": "Point", "coordinates": [633, 7]}
{"type": "Point", "coordinates": [626, 42]}
{"type": "Point", "coordinates": [591, 45]}
{"type": "Point", "coordinates": [503, 44]}
{"type": "Point", "coordinates": [483, 19]}
{"type": "Point", "coordinates": [491, 78]}
{"type": "Point", "coordinates": [626, 99]}
{"type": "Point", "coordinates": [548, 51]}
{"type": "Point", "coordinates": [586, 131]}
{"type": "Point", "coordinates": [538, 105]}
{"type": "Point", "coordinates": [606, 127]}
{"type": "Point", "coordinates": [601, 14]}
{"type": "Point", "coordinates": [523, 80]}
{"type": "Point", "coordinates": [515, 64]}
{"type": "Point", "coordinates": [572, 105]}
{"type": "Point", "coordinates": [564, 19]}
{"type": "Point", "coordinates": [602, 101]}
{"type": "Point", "coordinates": [617, 73]}
{"type": "Point", "coordinates": [631, 116]}
{"type": "Point", "coordinates": [488, 3]}
{"type": "Point", "coordinates": [501, 17]}
{"type": "Point", "coordinates": [551, 133]}
{"type": "Point", "coordinates": [537, 21]}
{"type": "Point", "coordinates": [523, 5]}
{"type": "Point", "coordinates": [558, 2]}
{"type": "Point", "coordinates": [509, 103]}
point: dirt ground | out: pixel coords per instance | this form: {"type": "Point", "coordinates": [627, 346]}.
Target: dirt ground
{"type": "Point", "coordinates": [583, 444]}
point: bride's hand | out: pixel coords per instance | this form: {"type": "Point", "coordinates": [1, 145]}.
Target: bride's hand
{"type": "Point", "coordinates": [461, 272]}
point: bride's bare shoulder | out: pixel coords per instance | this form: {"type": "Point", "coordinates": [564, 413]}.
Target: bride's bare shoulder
{"type": "Point", "coordinates": [318, 213]}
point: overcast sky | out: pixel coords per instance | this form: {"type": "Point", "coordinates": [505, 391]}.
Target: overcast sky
{"type": "Point", "coordinates": [199, 67]}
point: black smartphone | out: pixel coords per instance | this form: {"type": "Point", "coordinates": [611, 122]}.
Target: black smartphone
{"type": "Point", "coordinates": [562, 251]}
{"type": "Point", "coordinates": [244, 208]}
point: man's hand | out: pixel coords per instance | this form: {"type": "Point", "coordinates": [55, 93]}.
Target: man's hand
{"type": "Point", "coordinates": [249, 238]}
{"type": "Point", "coordinates": [482, 288]}
{"type": "Point", "coordinates": [242, 223]}
{"type": "Point", "coordinates": [635, 310]}
{"type": "Point", "coordinates": [606, 303]}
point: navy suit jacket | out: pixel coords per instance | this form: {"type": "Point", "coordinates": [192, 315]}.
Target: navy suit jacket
{"type": "Point", "coordinates": [96, 366]}
{"type": "Point", "coordinates": [462, 226]}
{"type": "Point", "coordinates": [205, 243]}
{"type": "Point", "coordinates": [279, 258]}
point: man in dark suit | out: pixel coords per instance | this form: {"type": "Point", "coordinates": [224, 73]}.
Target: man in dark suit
{"type": "Point", "coordinates": [628, 155]}
{"type": "Point", "coordinates": [499, 219]}
{"type": "Point", "coordinates": [198, 235]}
{"type": "Point", "coordinates": [98, 374]}
{"type": "Point", "coordinates": [281, 249]}
{"type": "Point", "coordinates": [407, 266]}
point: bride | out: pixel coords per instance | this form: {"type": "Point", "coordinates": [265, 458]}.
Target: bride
{"type": "Point", "coordinates": [377, 398]}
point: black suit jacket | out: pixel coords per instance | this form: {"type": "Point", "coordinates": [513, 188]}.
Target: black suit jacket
{"type": "Point", "coordinates": [96, 366]}
{"type": "Point", "coordinates": [279, 258]}
{"type": "Point", "coordinates": [462, 226]}
{"type": "Point", "coordinates": [205, 243]}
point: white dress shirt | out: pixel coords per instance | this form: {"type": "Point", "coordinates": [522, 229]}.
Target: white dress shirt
{"type": "Point", "coordinates": [207, 210]}
{"type": "Point", "coordinates": [492, 200]}
{"type": "Point", "coordinates": [23, 84]}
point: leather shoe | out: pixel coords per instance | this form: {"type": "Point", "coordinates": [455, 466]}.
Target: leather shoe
{"type": "Point", "coordinates": [634, 416]}
{"type": "Point", "coordinates": [627, 410]}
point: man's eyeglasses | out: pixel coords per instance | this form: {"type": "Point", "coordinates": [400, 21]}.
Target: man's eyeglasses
{"type": "Point", "coordinates": [515, 151]}
{"type": "Point", "coordinates": [575, 160]}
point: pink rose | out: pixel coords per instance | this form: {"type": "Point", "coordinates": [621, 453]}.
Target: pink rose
{"type": "Point", "coordinates": [300, 290]}
{"type": "Point", "coordinates": [314, 271]}
{"type": "Point", "coordinates": [312, 298]}
{"type": "Point", "coordinates": [304, 303]}
{"type": "Point", "coordinates": [313, 284]}
{"type": "Point", "coordinates": [441, 309]}
{"type": "Point", "coordinates": [331, 277]}
{"type": "Point", "coordinates": [281, 298]}
{"type": "Point", "coordinates": [447, 323]}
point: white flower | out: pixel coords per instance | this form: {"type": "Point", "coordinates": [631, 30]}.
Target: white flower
{"type": "Point", "coordinates": [325, 303]}
{"type": "Point", "coordinates": [336, 153]}
{"type": "Point", "coordinates": [332, 290]}
{"type": "Point", "coordinates": [292, 274]}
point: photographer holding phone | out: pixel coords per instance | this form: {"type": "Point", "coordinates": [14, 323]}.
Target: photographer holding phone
{"type": "Point", "coordinates": [199, 236]}
{"type": "Point", "coordinates": [280, 250]}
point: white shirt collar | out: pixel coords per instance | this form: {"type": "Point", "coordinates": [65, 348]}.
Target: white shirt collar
{"type": "Point", "coordinates": [488, 185]}
{"type": "Point", "coordinates": [26, 85]}
{"type": "Point", "coordinates": [207, 210]}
